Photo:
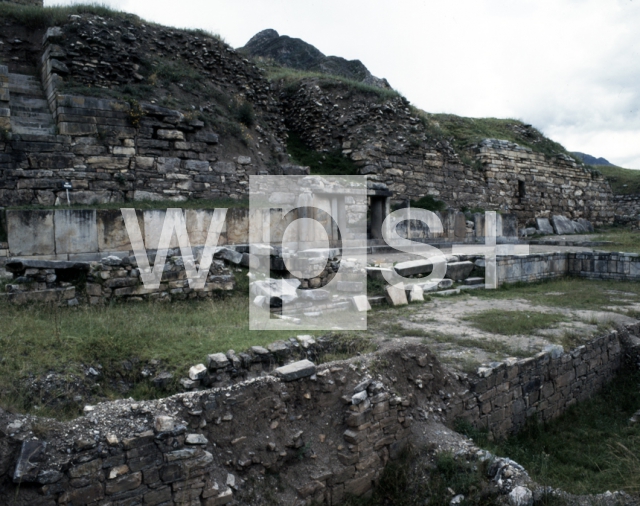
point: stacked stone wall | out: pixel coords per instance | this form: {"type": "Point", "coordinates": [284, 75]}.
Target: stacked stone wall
{"type": "Point", "coordinates": [112, 279]}
{"type": "Point", "coordinates": [591, 265]}
{"type": "Point", "coordinates": [326, 431]}
{"type": "Point", "coordinates": [503, 397]}
{"type": "Point", "coordinates": [627, 209]}
{"type": "Point", "coordinates": [388, 141]}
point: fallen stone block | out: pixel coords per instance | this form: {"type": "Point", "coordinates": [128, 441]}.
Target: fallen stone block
{"type": "Point", "coordinates": [588, 226]}
{"type": "Point", "coordinates": [229, 255]}
{"type": "Point", "coordinates": [415, 293]}
{"type": "Point", "coordinates": [377, 300]}
{"type": "Point", "coordinates": [297, 370]}
{"type": "Point", "coordinates": [377, 273]}
{"type": "Point", "coordinates": [474, 281]}
{"type": "Point", "coordinates": [457, 271]}
{"type": "Point", "coordinates": [562, 225]}
{"type": "Point", "coordinates": [396, 296]}
{"type": "Point", "coordinates": [544, 226]}
{"type": "Point", "coordinates": [197, 372]}
{"type": "Point", "coordinates": [360, 303]}
{"type": "Point", "coordinates": [414, 267]}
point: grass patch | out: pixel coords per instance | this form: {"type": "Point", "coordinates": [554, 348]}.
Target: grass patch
{"type": "Point", "coordinates": [44, 17]}
{"type": "Point", "coordinates": [588, 450]}
{"type": "Point", "coordinates": [469, 131]}
{"type": "Point", "coordinates": [291, 78]}
{"type": "Point", "coordinates": [577, 293]}
{"type": "Point", "coordinates": [624, 239]}
{"type": "Point", "coordinates": [151, 204]}
{"type": "Point", "coordinates": [321, 163]}
{"type": "Point", "coordinates": [417, 478]}
{"type": "Point", "coordinates": [38, 339]}
{"type": "Point", "coordinates": [622, 181]}
{"type": "Point", "coordinates": [511, 323]}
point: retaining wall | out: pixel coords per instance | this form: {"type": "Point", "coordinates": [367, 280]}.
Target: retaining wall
{"type": "Point", "coordinates": [543, 386]}
{"type": "Point", "coordinates": [592, 265]}
{"type": "Point", "coordinates": [213, 446]}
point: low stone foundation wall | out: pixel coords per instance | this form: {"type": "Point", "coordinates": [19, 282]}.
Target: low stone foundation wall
{"type": "Point", "coordinates": [70, 283]}
{"type": "Point", "coordinates": [502, 398]}
{"type": "Point", "coordinates": [327, 432]}
{"type": "Point", "coordinates": [592, 265]}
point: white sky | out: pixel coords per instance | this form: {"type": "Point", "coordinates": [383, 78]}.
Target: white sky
{"type": "Point", "coordinates": [569, 67]}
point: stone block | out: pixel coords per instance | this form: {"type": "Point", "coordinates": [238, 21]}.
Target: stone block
{"type": "Point", "coordinates": [297, 370]}
{"type": "Point", "coordinates": [562, 225]}
{"type": "Point", "coordinates": [77, 129]}
{"type": "Point", "coordinates": [112, 233]}
{"type": "Point", "coordinates": [228, 254]}
{"type": "Point", "coordinates": [458, 271]}
{"type": "Point", "coordinates": [170, 135]}
{"type": "Point", "coordinates": [30, 233]}
{"type": "Point", "coordinates": [217, 361]}
{"type": "Point", "coordinates": [377, 273]}
{"type": "Point", "coordinates": [544, 226]}
{"type": "Point", "coordinates": [76, 231]}
{"type": "Point", "coordinates": [415, 293]}
{"type": "Point", "coordinates": [361, 303]}
{"type": "Point", "coordinates": [586, 224]}
{"type": "Point", "coordinates": [396, 296]}
{"type": "Point", "coordinates": [413, 267]}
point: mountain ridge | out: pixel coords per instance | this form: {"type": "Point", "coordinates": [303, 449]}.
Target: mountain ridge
{"type": "Point", "coordinates": [297, 54]}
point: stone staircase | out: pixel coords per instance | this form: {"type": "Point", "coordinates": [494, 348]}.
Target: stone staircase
{"type": "Point", "coordinates": [30, 112]}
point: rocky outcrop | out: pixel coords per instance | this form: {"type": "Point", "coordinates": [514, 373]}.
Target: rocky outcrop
{"type": "Point", "coordinates": [298, 54]}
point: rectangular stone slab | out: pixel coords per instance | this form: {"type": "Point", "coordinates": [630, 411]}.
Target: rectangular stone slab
{"type": "Point", "coordinates": [413, 267]}
{"type": "Point", "coordinates": [544, 226]}
{"type": "Point", "coordinates": [562, 225]}
{"type": "Point", "coordinates": [297, 370]}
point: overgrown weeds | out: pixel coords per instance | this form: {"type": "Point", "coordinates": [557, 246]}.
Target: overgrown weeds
{"type": "Point", "coordinates": [321, 163]}
{"type": "Point", "coordinates": [291, 78]}
{"type": "Point", "coordinates": [44, 17]}
{"type": "Point", "coordinates": [512, 323]}
{"type": "Point", "coordinates": [591, 448]}
{"type": "Point", "coordinates": [418, 477]}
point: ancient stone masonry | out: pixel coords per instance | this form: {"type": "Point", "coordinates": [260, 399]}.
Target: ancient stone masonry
{"type": "Point", "coordinates": [389, 143]}
{"type": "Point", "coordinates": [506, 394]}
{"type": "Point", "coordinates": [110, 150]}
{"type": "Point", "coordinates": [529, 182]}
{"type": "Point", "coordinates": [627, 209]}
{"type": "Point", "coordinates": [69, 283]}
{"type": "Point", "coordinates": [327, 431]}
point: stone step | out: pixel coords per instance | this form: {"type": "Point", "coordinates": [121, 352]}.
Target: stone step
{"type": "Point", "coordinates": [30, 123]}
{"type": "Point", "coordinates": [20, 84]}
{"type": "Point", "coordinates": [42, 116]}
{"type": "Point", "coordinates": [28, 102]}
{"type": "Point", "coordinates": [26, 89]}
{"type": "Point", "coordinates": [38, 132]}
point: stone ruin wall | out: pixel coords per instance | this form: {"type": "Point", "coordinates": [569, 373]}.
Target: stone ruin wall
{"type": "Point", "coordinates": [215, 445]}
{"type": "Point", "coordinates": [112, 150]}
{"type": "Point", "coordinates": [327, 431]}
{"type": "Point", "coordinates": [388, 142]}
{"type": "Point", "coordinates": [627, 209]}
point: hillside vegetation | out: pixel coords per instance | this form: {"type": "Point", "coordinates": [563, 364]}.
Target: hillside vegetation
{"type": "Point", "coordinates": [623, 181]}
